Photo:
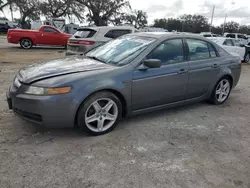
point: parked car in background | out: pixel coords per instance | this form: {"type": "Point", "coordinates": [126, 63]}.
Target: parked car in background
{"type": "Point", "coordinates": [248, 40]}
{"type": "Point", "coordinates": [46, 35]}
{"type": "Point", "coordinates": [238, 37]}
{"type": "Point", "coordinates": [132, 74]}
{"type": "Point", "coordinates": [208, 35]}
{"type": "Point", "coordinates": [233, 46]}
{"type": "Point", "coordinates": [87, 38]}
{"type": "Point", "coordinates": [4, 27]}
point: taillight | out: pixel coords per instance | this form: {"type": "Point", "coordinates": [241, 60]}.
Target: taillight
{"type": "Point", "coordinates": [86, 42]}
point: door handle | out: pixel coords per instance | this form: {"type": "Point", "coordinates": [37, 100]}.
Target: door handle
{"type": "Point", "coordinates": [182, 71]}
{"type": "Point", "coordinates": [215, 65]}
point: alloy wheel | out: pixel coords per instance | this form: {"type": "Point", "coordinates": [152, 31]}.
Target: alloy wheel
{"type": "Point", "coordinates": [247, 58]}
{"type": "Point", "coordinates": [222, 90]}
{"type": "Point", "coordinates": [26, 43]}
{"type": "Point", "coordinates": [101, 115]}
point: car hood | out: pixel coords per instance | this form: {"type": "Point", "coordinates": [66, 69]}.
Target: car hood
{"type": "Point", "coordinates": [67, 65]}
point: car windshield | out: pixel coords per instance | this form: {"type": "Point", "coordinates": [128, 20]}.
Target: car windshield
{"type": "Point", "coordinates": [120, 51]}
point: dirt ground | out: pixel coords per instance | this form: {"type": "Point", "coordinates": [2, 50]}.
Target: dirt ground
{"type": "Point", "coordinates": [195, 146]}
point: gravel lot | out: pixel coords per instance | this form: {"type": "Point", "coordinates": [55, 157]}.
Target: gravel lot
{"type": "Point", "coordinates": [199, 145]}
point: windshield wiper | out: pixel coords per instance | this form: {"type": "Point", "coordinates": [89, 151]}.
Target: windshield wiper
{"type": "Point", "coordinates": [96, 58]}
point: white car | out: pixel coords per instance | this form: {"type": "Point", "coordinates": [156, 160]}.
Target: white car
{"type": "Point", "coordinates": [233, 47]}
{"type": "Point", "coordinates": [238, 37]}
{"type": "Point", "coordinates": [87, 38]}
{"type": "Point", "coordinates": [208, 35]}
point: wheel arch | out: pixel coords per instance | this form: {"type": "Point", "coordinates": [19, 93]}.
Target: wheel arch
{"type": "Point", "coordinates": [30, 38]}
{"type": "Point", "coordinates": [230, 77]}
{"type": "Point", "coordinates": [115, 92]}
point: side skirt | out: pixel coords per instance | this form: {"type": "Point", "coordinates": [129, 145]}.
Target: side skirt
{"type": "Point", "coordinates": [170, 105]}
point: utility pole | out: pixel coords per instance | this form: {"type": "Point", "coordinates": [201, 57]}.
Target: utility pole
{"type": "Point", "coordinates": [212, 19]}
{"type": "Point", "coordinates": [224, 24]}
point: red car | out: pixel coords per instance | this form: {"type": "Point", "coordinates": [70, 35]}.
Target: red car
{"type": "Point", "coordinates": [46, 35]}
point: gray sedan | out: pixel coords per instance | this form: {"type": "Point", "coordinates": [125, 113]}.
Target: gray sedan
{"type": "Point", "coordinates": [129, 75]}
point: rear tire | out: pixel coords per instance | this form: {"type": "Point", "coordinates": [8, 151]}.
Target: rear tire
{"type": "Point", "coordinates": [221, 91]}
{"type": "Point", "coordinates": [247, 58]}
{"type": "Point", "coordinates": [100, 113]}
{"type": "Point", "coordinates": [26, 43]}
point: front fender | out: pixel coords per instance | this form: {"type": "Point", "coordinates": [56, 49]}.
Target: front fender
{"type": "Point", "coordinates": [123, 88]}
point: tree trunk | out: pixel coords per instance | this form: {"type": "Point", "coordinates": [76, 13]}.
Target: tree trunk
{"type": "Point", "coordinates": [99, 21]}
{"type": "Point", "coordinates": [23, 23]}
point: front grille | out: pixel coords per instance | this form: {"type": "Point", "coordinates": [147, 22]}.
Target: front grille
{"type": "Point", "coordinates": [28, 115]}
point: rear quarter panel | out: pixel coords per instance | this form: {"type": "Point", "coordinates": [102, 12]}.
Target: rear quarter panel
{"type": "Point", "coordinates": [230, 66]}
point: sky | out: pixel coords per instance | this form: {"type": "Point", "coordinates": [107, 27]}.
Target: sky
{"type": "Point", "coordinates": [236, 10]}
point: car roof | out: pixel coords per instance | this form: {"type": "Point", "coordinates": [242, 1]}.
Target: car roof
{"type": "Point", "coordinates": [159, 35]}
{"type": "Point", "coordinates": [218, 40]}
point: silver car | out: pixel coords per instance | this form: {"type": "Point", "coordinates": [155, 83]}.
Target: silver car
{"type": "Point", "coordinates": [87, 38]}
{"type": "Point", "coordinates": [132, 74]}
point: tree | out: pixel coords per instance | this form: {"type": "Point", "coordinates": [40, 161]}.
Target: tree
{"type": "Point", "coordinates": [161, 23]}
{"type": "Point", "coordinates": [55, 8]}
{"type": "Point", "coordinates": [194, 23]}
{"type": "Point", "coordinates": [29, 9]}
{"type": "Point", "coordinates": [103, 11]}
{"type": "Point", "coordinates": [137, 18]}
{"type": "Point", "coordinates": [231, 27]}
{"type": "Point", "coordinates": [3, 4]}
{"type": "Point", "coordinates": [171, 24]}
{"type": "Point", "coordinates": [61, 8]}
{"type": "Point", "coordinates": [174, 24]}
{"type": "Point", "coordinates": [217, 30]}
{"type": "Point", "coordinates": [244, 29]}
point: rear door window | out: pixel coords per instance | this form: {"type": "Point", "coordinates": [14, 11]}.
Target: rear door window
{"type": "Point", "coordinates": [115, 33]}
{"type": "Point", "coordinates": [207, 35]}
{"type": "Point", "coordinates": [230, 36]}
{"type": "Point", "coordinates": [242, 37]}
{"type": "Point", "coordinates": [228, 42]}
{"type": "Point", "coordinates": [49, 30]}
{"type": "Point", "coordinates": [84, 33]}
{"type": "Point", "coordinates": [198, 49]}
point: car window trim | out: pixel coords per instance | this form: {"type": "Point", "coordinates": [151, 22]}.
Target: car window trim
{"type": "Point", "coordinates": [216, 52]}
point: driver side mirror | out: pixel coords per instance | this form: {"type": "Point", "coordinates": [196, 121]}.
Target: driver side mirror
{"type": "Point", "coordinates": [150, 63]}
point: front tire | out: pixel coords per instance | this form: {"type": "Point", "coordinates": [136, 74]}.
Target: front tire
{"type": "Point", "coordinates": [100, 113]}
{"type": "Point", "coordinates": [221, 91]}
{"type": "Point", "coordinates": [26, 43]}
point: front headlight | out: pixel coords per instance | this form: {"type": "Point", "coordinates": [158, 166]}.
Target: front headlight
{"type": "Point", "coordinates": [33, 90]}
